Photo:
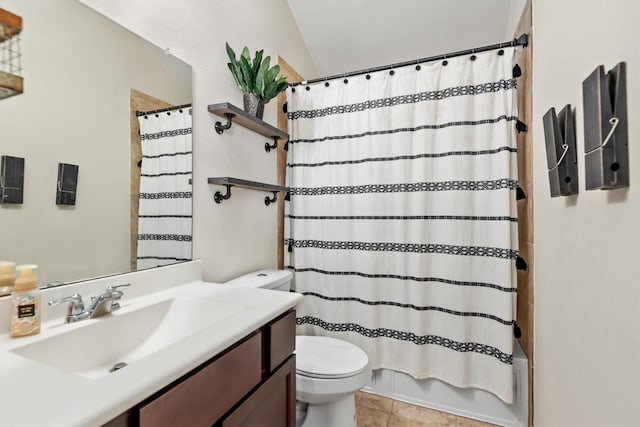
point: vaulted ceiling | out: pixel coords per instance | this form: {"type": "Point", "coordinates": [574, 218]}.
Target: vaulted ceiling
{"type": "Point", "coordinates": [348, 35]}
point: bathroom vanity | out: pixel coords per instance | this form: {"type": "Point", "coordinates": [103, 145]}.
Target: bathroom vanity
{"type": "Point", "coordinates": [251, 383]}
{"type": "Point", "coordinates": [195, 353]}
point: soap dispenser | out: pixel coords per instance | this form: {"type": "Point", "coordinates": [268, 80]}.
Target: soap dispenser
{"type": "Point", "coordinates": [25, 303]}
{"type": "Point", "coordinates": [7, 277]}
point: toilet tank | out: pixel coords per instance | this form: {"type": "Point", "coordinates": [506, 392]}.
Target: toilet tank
{"type": "Point", "coordinates": [279, 280]}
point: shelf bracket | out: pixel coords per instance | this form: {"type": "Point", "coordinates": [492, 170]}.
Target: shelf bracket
{"type": "Point", "coordinates": [268, 147]}
{"type": "Point", "coordinates": [219, 197]}
{"type": "Point", "coordinates": [220, 128]}
{"type": "Point", "coordinates": [268, 201]}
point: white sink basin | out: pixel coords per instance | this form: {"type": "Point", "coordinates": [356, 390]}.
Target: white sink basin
{"type": "Point", "coordinates": [91, 350]}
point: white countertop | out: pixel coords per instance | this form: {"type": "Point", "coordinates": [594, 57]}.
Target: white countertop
{"type": "Point", "coordinates": [34, 394]}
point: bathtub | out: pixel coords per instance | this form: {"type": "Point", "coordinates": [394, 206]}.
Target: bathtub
{"type": "Point", "coordinates": [471, 403]}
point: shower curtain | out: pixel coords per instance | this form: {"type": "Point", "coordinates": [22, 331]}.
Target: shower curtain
{"type": "Point", "coordinates": [164, 219]}
{"type": "Point", "coordinates": [402, 228]}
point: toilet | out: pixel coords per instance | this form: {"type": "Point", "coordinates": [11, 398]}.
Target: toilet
{"type": "Point", "coordinates": [328, 371]}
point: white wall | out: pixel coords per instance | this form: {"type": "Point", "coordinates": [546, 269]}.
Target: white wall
{"type": "Point", "coordinates": [587, 291]}
{"type": "Point", "coordinates": [78, 71]}
{"type": "Point", "coordinates": [238, 235]}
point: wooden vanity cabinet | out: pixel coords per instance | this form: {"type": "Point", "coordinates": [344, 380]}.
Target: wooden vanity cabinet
{"type": "Point", "coordinates": [250, 384]}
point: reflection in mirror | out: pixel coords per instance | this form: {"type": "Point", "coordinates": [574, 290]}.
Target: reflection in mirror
{"type": "Point", "coordinates": [84, 78]}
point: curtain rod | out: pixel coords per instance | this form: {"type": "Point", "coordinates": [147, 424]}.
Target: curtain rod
{"type": "Point", "coordinates": [523, 41]}
{"type": "Point", "coordinates": [162, 110]}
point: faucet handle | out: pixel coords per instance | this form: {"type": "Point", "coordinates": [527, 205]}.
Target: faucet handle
{"type": "Point", "coordinates": [112, 288]}
{"type": "Point", "coordinates": [116, 295]}
{"type": "Point", "coordinates": [76, 305]}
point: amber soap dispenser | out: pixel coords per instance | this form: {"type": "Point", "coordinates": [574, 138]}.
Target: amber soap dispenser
{"type": "Point", "coordinates": [25, 303]}
{"type": "Point", "coordinates": [7, 278]}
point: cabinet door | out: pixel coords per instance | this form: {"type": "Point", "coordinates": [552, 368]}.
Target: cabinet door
{"type": "Point", "coordinates": [205, 396]}
{"type": "Point", "coordinates": [282, 339]}
{"type": "Point", "coordinates": [272, 405]}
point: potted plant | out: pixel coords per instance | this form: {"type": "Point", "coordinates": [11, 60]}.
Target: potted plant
{"type": "Point", "coordinates": [256, 80]}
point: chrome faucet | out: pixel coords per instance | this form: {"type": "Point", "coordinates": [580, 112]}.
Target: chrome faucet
{"type": "Point", "coordinates": [100, 305]}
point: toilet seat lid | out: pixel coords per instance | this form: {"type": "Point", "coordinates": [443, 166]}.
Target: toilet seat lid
{"type": "Point", "coordinates": [326, 357]}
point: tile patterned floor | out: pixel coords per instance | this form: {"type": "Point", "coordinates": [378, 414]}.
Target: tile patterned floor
{"type": "Point", "coordinates": [377, 411]}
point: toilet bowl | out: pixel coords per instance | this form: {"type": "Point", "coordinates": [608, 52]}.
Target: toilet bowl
{"type": "Point", "coordinates": [328, 371]}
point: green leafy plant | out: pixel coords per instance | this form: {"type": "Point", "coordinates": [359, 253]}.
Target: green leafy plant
{"type": "Point", "coordinates": [254, 75]}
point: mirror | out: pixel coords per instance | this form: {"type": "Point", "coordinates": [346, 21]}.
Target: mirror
{"type": "Point", "coordinates": [80, 73]}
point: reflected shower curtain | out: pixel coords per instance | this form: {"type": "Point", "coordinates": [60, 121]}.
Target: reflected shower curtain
{"type": "Point", "coordinates": [164, 219]}
{"type": "Point", "coordinates": [402, 228]}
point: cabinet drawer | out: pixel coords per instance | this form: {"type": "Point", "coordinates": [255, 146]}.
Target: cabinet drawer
{"type": "Point", "coordinates": [282, 339]}
{"type": "Point", "coordinates": [205, 396]}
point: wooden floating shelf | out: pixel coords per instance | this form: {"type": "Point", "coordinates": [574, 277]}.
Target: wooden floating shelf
{"type": "Point", "coordinates": [243, 183]}
{"type": "Point", "coordinates": [10, 25]}
{"type": "Point", "coordinates": [10, 85]}
{"type": "Point", "coordinates": [238, 115]}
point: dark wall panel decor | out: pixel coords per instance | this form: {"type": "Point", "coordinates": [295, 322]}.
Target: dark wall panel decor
{"type": "Point", "coordinates": [67, 184]}
{"type": "Point", "coordinates": [605, 129]}
{"type": "Point", "coordinates": [11, 179]}
{"type": "Point", "coordinates": [560, 141]}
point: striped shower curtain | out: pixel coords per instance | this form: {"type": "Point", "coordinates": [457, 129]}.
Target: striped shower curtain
{"type": "Point", "coordinates": [164, 214]}
{"type": "Point", "coordinates": [402, 228]}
